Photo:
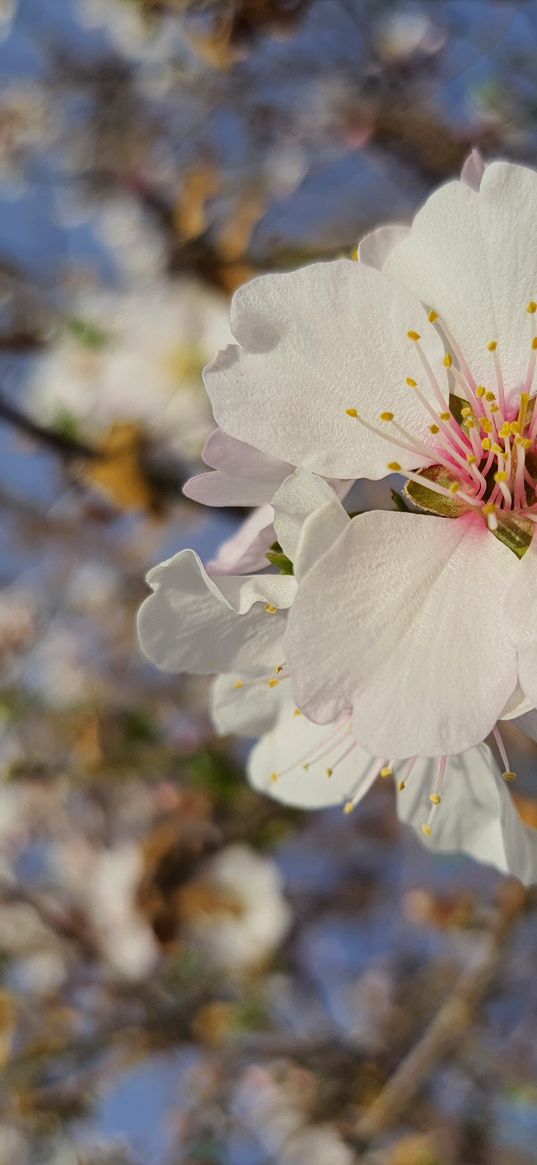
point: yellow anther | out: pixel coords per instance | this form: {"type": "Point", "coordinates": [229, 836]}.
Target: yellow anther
{"type": "Point", "coordinates": [445, 416]}
{"type": "Point", "coordinates": [509, 776]}
{"type": "Point", "coordinates": [297, 712]}
{"type": "Point", "coordinates": [486, 425]}
{"type": "Point", "coordinates": [480, 391]}
{"type": "Point", "coordinates": [329, 772]}
{"type": "Point", "coordinates": [270, 609]}
{"type": "Point", "coordinates": [505, 430]}
{"type": "Point", "coordinates": [274, 776]}
{"type": "Point", "coordinates": [514, 428]}
{"type": "Point", "coordinates": [534, 343]}
{"type": "Point", "coordinates": [492, 346]}
{"type": "Point", "coordinates": [394, 466]}
{"type": "Point", "coordinates": [411, 382]}
{"type": "Point", "coordinates": [413, 335]}
{"type": "Point", "coordinates": [433, 316]}
{"type": "Point", "coordinates": [279, 669]}
{"type": "Point", "coordinates": [486, 444]}
{"type": "Point", "coordinates": [355, 254]}
{"type": "Point", "coordinates": [469, 423]}
{"type": "Point", "coordinates": [238, 684]}
{"type": "Point", "coordinates": [524, 442]}
{"type": "Point", "coordinates": [349, 806]}
{"type": "Point", "coordinates": [426, 829]}
{"type": "Point", "coordinates": [471, 458]}
{"type": "Point", "coordinates": [387, 771]}
{"type": "Point", "coordinates": [401, 786]}
{"type": "Point", "coordinates": [454, 487]}
{"type": "Point", "coordinates": [490, 396]}
{"type": "Point", "coordinates": [494, 408]}
{"type": "Point", "coordinates": [352, 412]}
{"type": "Point", "coordinates": [532, 307]}
{"type": "Point", "coordinates": [306, 768]}
{"type": "Point", "coordinates": [466, 411]}
{"type": "Point", "coordinates": [386, 416]}
{"type": "Point", "coordinates": [435, 798]}
{"type": "Point", "coordinates": [497, 449]}
{"type": "Point", "coordinates": [448, 360]}
{"type": "Point", "coordinates": [489, 508]}
{"type": "Point", "coordinates": [434, 428]}
{"type": "Point", "coordinates": [273, 683]}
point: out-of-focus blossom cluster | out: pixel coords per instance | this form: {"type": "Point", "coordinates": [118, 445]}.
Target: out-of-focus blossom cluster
{"type": "Point", "coordinates": [133, 359]}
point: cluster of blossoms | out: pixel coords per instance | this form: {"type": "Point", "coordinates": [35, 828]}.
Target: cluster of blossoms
{"type": "Point", "coordinates": [384, 642]}
{"type": "Point", "coordinates": [135, 357]}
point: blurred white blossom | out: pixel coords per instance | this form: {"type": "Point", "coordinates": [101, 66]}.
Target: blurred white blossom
{"type": "Point", "coordinates": [243, 917]}
{"type": "Point", "coordinates": [134, 357]}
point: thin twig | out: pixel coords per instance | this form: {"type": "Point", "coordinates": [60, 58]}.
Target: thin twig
{"type": "Point", "coordinates": [450, 1024]}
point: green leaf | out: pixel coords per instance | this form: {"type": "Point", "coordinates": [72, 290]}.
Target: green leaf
{"type": "Point", "coordinates": [66, 425]}
{"type": "Point", "coordinates": [88, 334]}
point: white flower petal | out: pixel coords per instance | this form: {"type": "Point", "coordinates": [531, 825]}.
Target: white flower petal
{"type": "Point", "coordinates": [248, 710]}
{"type": "Point", "coordinates": [471, 256]}
{"type": "Point", "coordinates": [314, 343]}
{"type": "Point", "coordinates": [192, 624]}
{"type": "Point", "coordinates": [276, 763]}
{"type": "Point", "coordinates": [374, 248]}
{"type": "Point", "coordinates": [521, 619]}
{"type": "Point", "coordinates": [301, 495]}
{"type": "Point", "coordinates": [477, 815]}
{"type": "Point", "coordinates": [400, 622]}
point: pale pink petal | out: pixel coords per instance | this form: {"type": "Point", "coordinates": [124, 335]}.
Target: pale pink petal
{"type": "Point", "coordinates": [473, 169]}
{"type": "Point", "coordinates": [314, 343]}
{"type": "Point", "coordinates": [241, 460]}
{"type": "Point", "coordinates": [400, 622]}
{"type": "Point", "coordinates": [246, 551]}
{"type": "Point", "coordinates": [221, 489]}
{"type": "Point", "coordinates": [243, 475]}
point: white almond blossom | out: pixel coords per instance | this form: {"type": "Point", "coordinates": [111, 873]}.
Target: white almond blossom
{"type": "Point", "coordinates": [133, 357]}
{"type": "Point", "coordinates": [403, 637]}
{"type": "Point", "coordinates": [239, 626]}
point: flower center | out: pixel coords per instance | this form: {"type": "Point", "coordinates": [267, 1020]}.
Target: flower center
{"type": "Point", "coordinates": [482, 448]}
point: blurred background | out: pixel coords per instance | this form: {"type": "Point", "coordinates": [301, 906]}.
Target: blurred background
{"type": "Point", "coordinates": [191, 974]}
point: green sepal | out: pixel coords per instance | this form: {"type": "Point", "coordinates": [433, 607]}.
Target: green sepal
{"type": "Point", "coordinates": [429, 500]}
{"type": "Point", "coordinates": [280, 560]}
{"type": "Point", "coordinates": [456, 405]}
{"type": "Point", "coordinates": [399, 502]}
{"type": "Point", "coordinates": [515, 531]}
